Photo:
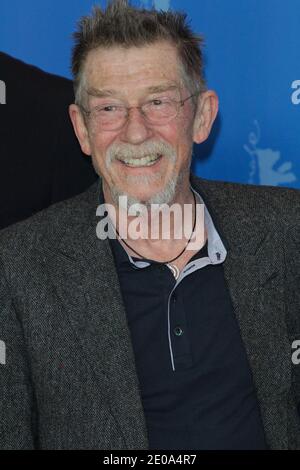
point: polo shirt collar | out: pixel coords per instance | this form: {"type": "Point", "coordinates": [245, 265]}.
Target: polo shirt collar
{"type": "Point", "coordinates": [215, 247]}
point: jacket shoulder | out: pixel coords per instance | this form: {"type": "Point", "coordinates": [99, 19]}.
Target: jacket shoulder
{"type": "Point", "coordinates": [22, 238]}
{"type": "Point", "coordinates": [259, 201]}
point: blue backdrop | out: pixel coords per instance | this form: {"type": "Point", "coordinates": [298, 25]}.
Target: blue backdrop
{"type": "Point", "coordinates": [252, 58]}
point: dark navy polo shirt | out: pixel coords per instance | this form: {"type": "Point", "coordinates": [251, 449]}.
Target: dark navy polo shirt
{"type": "Point", "coordinates": [196, 384]}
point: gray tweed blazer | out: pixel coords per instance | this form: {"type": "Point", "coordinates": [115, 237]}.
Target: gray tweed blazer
{"type": "Point", "coordinates": [69, 380]}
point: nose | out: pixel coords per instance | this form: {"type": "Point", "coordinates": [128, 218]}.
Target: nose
{"type": "Point", "coordinates": [136, 129]}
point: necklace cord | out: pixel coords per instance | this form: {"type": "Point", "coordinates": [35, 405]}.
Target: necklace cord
{"type": "Point", "coordinates": [182, 251]}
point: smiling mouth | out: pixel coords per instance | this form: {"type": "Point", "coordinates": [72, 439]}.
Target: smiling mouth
{"type": "Point", "coordinates": [149, 160]}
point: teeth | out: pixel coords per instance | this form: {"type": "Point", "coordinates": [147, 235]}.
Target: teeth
{"type": "Point", "coordinates": [144, 161]}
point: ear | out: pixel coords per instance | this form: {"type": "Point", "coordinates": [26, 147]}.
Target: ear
{"type": "Point", "coordinates": [80, 128]}
{"type": "Point", "coordinates": [207, 109]}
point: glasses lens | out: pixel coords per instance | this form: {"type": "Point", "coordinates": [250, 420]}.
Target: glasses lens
{"type": "Point", "coordinates": [160, 111]}
{"type": "Point", "coordinates": [112, 117]}
{"type": "Point", "coordinates": [109, 117]}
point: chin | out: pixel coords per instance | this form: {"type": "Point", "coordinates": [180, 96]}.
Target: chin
{"type": "Point", "coordinates": [161, 196]}
{"type": "Point", "coordinates": [147, 193]}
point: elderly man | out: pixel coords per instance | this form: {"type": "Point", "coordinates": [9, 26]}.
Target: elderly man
{"type": "Point", "coordinates": [142, 343]}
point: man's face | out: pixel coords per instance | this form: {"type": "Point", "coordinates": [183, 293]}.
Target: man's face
{"type": "Point", "coordinates": [132, 77]}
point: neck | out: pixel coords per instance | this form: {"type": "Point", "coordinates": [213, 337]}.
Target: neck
{"type": "Point", "coordinates": [156, 234]}
{"type": "Point", "coordinates": [164, 221]}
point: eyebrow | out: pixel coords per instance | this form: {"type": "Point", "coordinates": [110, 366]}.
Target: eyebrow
{"type": "Point", "coordinates": [101, 93]}
{"type": "Point", "coordinates": [160, 88]}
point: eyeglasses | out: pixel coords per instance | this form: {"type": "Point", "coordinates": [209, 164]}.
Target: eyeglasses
{"type": "Point", "coordinates": [158, 111]}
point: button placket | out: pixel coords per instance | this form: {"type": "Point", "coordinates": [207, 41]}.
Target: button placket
{"type": "Point", "coordinates": [180, 341]}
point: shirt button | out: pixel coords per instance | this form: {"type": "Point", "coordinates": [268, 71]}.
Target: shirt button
{"type": "Point", "coordinates": [178, 331]}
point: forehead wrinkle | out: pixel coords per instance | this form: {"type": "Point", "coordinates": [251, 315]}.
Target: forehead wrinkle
{"type": "Point", "coordinates": [103, 93]}
{"type": "Point", "coordinates": [113, 67]}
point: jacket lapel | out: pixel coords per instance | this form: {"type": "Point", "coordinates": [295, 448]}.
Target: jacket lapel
{"type": "Point", "coordinates": [254, 274]}
{"type": "Point", "coordinates": [83, 273]}
{"type": "Point", "coordinates": [260, 312]}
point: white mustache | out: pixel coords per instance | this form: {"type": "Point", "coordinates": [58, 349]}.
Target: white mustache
{"type": "Point", "coordinates": [127, 151]}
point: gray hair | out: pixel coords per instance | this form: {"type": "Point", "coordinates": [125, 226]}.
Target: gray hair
{"type": "Point", "coordinates": [121, 24]}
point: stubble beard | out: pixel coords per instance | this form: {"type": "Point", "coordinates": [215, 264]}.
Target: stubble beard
{"type": "Point", "coordinates": [165, 196]}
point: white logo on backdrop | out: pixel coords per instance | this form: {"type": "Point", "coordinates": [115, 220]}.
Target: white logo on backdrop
{"type": "Point", "coordinates": [157, 4]}
{"type": "Point", "coordinates": [263, 164]}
